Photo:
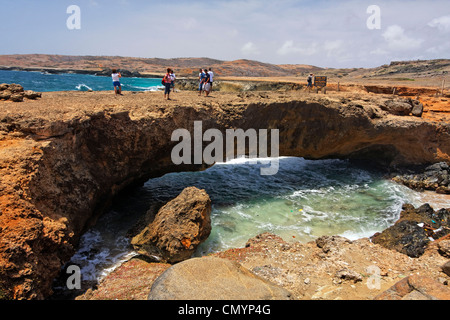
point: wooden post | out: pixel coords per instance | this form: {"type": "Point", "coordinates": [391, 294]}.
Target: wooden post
{"type": "Point", "coordinates": [338, 89]}
{"type": "Point", "coordinates": [393, 92]}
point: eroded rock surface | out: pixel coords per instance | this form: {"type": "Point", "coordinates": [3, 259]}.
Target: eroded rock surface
{"type": "Point", "coordinates": [178, 229]}
{"type": "Point", "coordinates": [212, 278]}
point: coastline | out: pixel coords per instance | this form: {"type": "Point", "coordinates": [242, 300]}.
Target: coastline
{"type": "Point", "coordinates": [95, 72]}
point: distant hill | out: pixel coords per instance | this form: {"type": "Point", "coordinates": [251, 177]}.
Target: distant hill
{"type": "Point", "coordinates": [401, 70]}
{"type": "Point", "coordinates": [182, 66]}
{"type": "Point", "coordinates": [417, 72]}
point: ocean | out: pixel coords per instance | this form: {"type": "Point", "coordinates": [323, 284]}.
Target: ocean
{"type": "Point", "coordinates": [46, 82]}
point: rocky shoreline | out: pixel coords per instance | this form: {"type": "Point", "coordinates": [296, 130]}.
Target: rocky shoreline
{"type": "Point", "coordinates": [329, 268]}
{"type": "Point", "coordinates": [435, 177]}
{"type": "Point", "coordinates": [64, 157]}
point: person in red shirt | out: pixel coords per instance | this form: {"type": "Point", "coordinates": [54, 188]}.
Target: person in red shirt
{"type": "Point", "coordinates": [167, 84]}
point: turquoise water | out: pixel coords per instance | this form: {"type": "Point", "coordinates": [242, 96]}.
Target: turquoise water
{"type": "Point", "coordinates": [45, 82]}
{"type": "Point", "coordinates": [304, 200]}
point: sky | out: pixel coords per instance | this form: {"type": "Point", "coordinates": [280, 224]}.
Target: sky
{"type": "Point", "coordinates": [334, 34]}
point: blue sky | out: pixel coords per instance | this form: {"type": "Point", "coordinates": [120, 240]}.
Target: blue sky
{"type": "Point", "coordinates": [322, 33]}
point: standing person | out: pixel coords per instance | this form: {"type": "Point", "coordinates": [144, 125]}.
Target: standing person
{"type": "Point", "coordinates": [206, 83]}
{"type": "Point", "coordinates": [167, 84]}
{"type": "Point", "coordinates": [201, 76]}
{"type": "Point", "coordinates": [116, 81]}
{"type": "Point", "coordinates": [211, 77]}
{"type": "Point", "coordinates": [172, 76]}
{"type": "Point", "coordinates": [309, 85]}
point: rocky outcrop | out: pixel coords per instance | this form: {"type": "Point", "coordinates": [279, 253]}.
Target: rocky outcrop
{"type": "Point", "coordinates": [178, 229]}
{"type": "Point", "coordinates": [435, 177]}
{"type": "Point", "coordinates": [415, 229]}
{"type": "Point", "coordinates": [403, 107]}
{"type": "Point", "coordinates": [416, 288]}
{"type": "Point", "coordinates": [212, 278]}
{"type": "Point", "coordinates": [15, 93]}
{"type": "Point", "coordinates": [65, 156]}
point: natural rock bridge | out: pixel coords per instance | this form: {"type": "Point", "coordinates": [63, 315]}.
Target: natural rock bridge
{"type": "Point", "coordinates": [65, 156]}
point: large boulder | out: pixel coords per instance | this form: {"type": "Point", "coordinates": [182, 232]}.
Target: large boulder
{"type": "Point", "coordinates": [178, 228]}
{"type": "Point", "coordinates": [405, 236]}
{"type": "Point", "coordinates": [416, 287]}
{"type": "Point", "coordinates": [212, 278]}
{"type": "Point", "coordinates": [397, 107]}
{"type": "Point", "coordinates": [414, 230]}
{"type": "Point", "coordinates": [417, 108]}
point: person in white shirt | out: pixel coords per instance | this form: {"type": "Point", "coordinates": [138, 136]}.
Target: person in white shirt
{"type": "Point", "coordinates": [172, 76]}
{"type": "Point", "coordinates": [211, 77]}
{"type": "Point", "coordinates": [116, 81]}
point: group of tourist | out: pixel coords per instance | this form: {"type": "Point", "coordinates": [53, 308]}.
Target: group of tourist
{"type": "Point", "coordinates": [205, 78]}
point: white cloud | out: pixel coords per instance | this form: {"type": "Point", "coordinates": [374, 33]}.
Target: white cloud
{"type": "Point", "coordinates": [232, 33]}
{"type": "Point", "coordinates": [442, 23]}
{"type": "Point", "coordinates": [379, 51]}
{"type": "Point", "coordinates": [189, 23]}
{"type": "Point", "coordinates": [289, 48]}
{"type": "Point", "coordinates": [397, 39]}
{"type": "Point", "coordinates": [334, 47]}
{"type": "Point", "coordinates": [440, 50]}
{"type": "Point", "coordinates": [250, 49]}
